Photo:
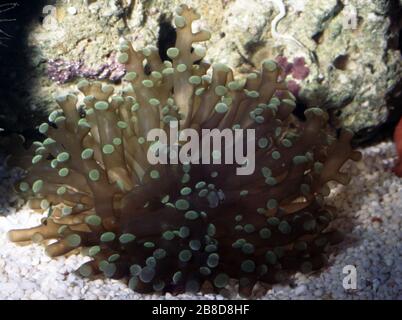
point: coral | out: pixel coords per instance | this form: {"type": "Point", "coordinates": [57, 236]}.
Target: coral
{"type": "Point", "coordinates": [398, 145]}
{"type": "Point", "coordinates": [184, 227]}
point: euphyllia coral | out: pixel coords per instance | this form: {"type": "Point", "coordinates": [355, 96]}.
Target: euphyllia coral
{"type": "Point", "coordinates": [181, 227]}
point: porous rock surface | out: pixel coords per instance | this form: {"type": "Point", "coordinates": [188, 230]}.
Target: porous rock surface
{"type": "Point", "coordinates": [350, 46]}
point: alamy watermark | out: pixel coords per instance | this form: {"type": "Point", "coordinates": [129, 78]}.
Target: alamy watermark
{"type": "Point", "coordinates": [350, 280]}
{"type": "Point", "coordinates": [187, 147]}
{"type": "Point", "coordinates": [351, 17]}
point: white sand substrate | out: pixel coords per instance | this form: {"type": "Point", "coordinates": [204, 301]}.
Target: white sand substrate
{"type": "Point", "coordinates": [369, 213]}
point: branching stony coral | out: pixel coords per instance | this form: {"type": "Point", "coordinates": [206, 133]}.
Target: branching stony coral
{"type": "Point", "coordinates": [184, 227]}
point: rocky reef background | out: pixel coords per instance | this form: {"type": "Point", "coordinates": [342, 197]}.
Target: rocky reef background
{"type": "Point", "coordinates": [351, 49]}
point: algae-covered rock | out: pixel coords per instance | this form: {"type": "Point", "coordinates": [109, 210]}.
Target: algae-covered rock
{"type": "Point", "coordinates": [349, 48]}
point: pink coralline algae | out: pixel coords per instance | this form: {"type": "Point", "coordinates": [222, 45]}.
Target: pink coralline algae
{"type": "Point", "coordinates": [62, 71]}
{"type": "Point", "coordinates": [297, 70]}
